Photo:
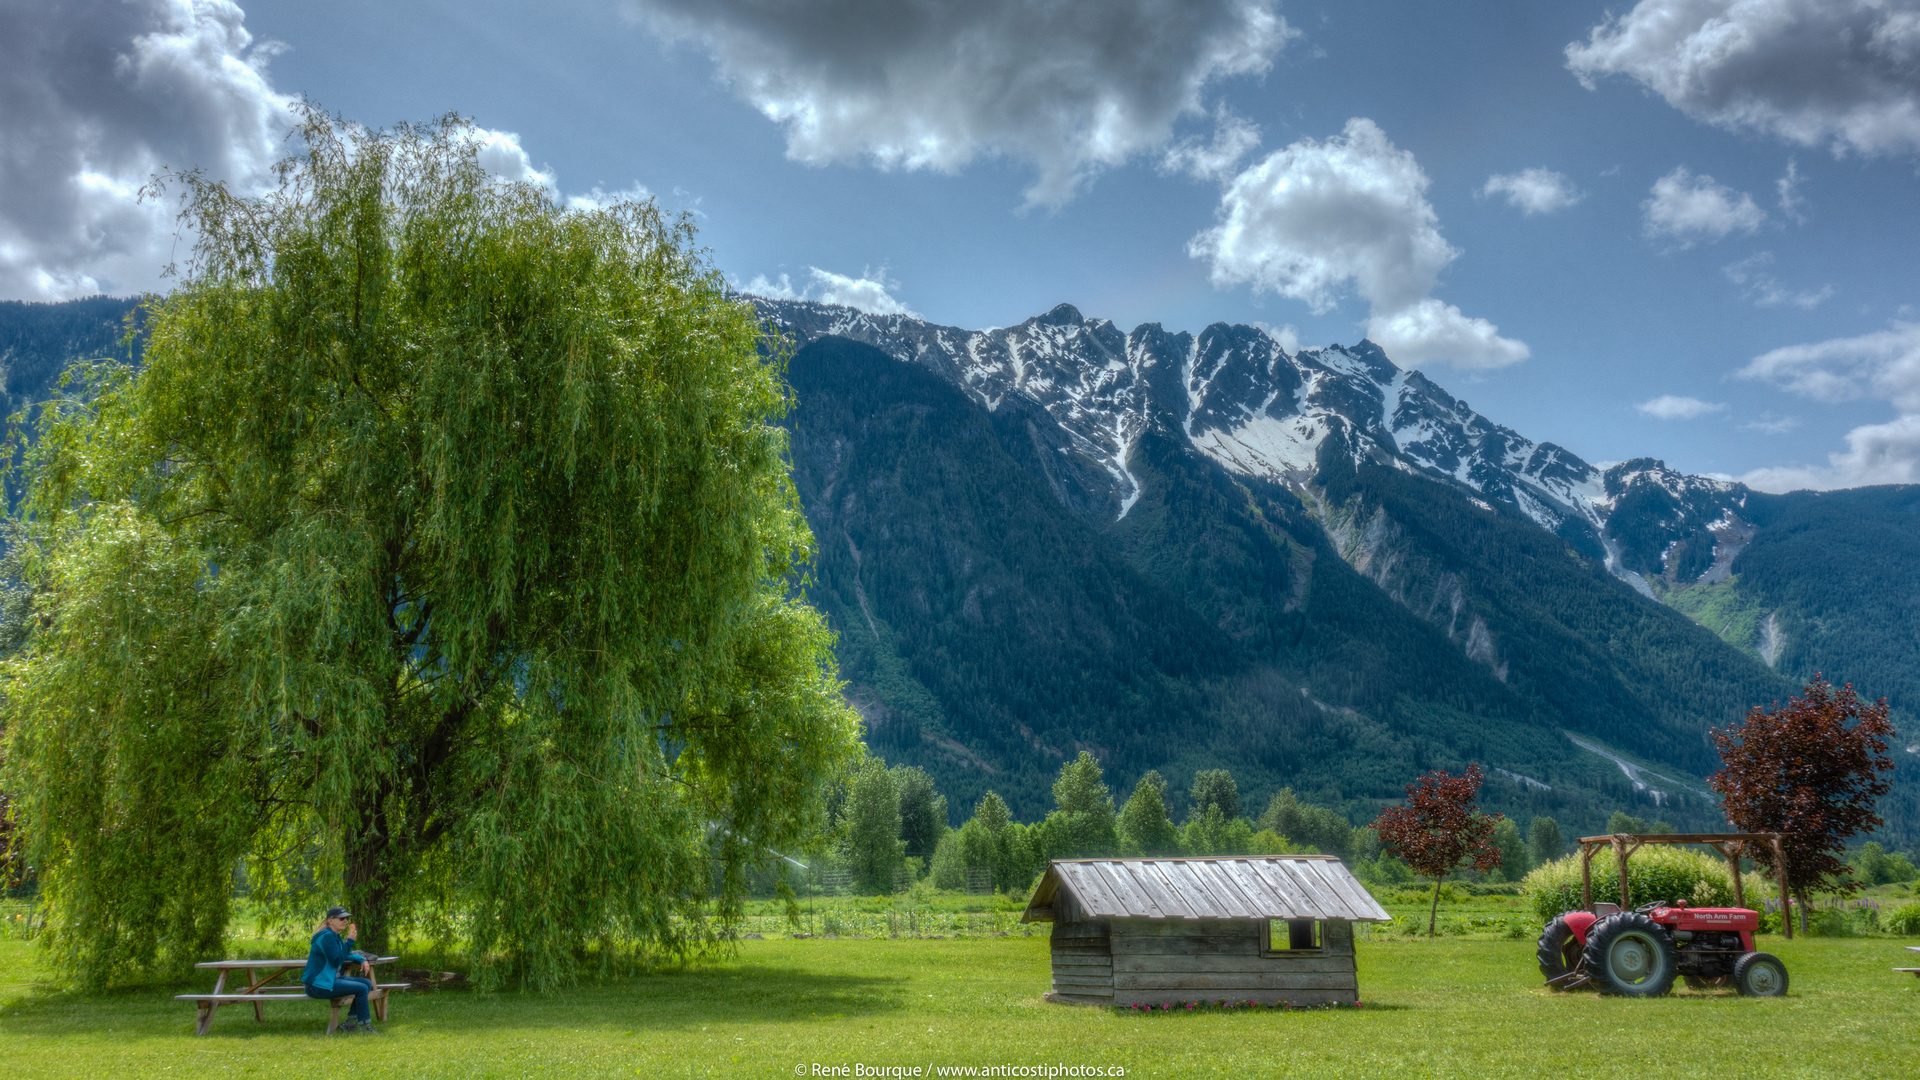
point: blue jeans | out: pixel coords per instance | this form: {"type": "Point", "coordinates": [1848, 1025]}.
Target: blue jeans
{"type": "Point", "coordinates": [342, 986]}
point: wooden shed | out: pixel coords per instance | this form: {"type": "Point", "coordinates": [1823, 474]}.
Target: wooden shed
{"type": "Point", "coordinates": [1265, 928]}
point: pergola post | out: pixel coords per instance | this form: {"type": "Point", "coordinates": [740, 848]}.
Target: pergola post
{"type": "Point", "coordinates": [1586, 875]}
{"type": "Point", "coordinates": [1786, 899]}
{"type": "Point", "coordinates": [1620, 856]}
{"type": "Point", "coordinates": [1733, 867]}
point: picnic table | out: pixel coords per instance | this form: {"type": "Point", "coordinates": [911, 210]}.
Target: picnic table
{"type": "Point", "coordinates": [262, 988]}
{"type": "Point", "coordinates": [1915, 971]}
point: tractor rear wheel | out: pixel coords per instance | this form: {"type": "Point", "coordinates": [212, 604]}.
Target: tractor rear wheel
{"type": "Point", "coordinates": [1630, 955]}
{"type": "Point", "coordinates": [1759, 974]}
{"type": "Point", "coordinates": [1558, 951]}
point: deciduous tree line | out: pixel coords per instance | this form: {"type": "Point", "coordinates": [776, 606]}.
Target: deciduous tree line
{"type": "Point", "coordinates": [886, 819]}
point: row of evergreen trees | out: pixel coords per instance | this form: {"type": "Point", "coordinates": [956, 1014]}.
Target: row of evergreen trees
{"type": "Point", "coordinates": [890, 825]}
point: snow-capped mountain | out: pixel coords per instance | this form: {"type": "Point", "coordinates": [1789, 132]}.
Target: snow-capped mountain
{"type": "Point", "coordinates": [1240, 399]}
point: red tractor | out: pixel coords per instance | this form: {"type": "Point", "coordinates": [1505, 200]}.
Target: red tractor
{"type": "Point", "coordinates": [1639, 953]}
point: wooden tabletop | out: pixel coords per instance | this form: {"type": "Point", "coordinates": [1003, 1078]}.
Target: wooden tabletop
{"type": "Point", "coordinates": [239, 965]}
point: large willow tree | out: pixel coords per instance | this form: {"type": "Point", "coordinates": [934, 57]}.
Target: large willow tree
{"type": "Point", "coordinates": [436, 561]}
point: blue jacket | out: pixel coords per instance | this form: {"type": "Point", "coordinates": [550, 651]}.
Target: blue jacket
{"type": "Point", "coordinates": [325, 957]}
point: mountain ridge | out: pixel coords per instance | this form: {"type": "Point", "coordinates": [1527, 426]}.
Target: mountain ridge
{"type": "Point", "coordinates": [1331, 428]}
{"type": "Point", "coordinates": [1026, 551]}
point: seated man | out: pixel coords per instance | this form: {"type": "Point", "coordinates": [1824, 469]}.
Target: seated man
{"type": "Point", "coordinates": [329, 951]}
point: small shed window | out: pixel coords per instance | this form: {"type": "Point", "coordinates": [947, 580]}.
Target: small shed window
{"type": "Point", "coordinates": [1292, 935]}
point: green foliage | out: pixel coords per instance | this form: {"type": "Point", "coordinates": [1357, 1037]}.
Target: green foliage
{"type": "Point", "coordinates": [1873, 866]}
{"type": "Point", "coordinates": [134, 805]}
{"type": "Point", "coordinates": [1268, 842]}
{"type": "Point", "coordinates": [1213, 789]}
{"type": "Point", "coordinates": [1082, 824]}
{"type": "Point", "coordinates": [991, 811]}
{"type": "Point", "coordinates": [979, 850]}
{"type": "Point", "coordinates": [1004, 848]}
{"type": "Point", "coordinates": [1304, 823]}
{"type": "Point", "coordinates": [1623, 822]}
{"type": "Point", "coordinates": [1544, 844]}
{"type": "Point", "coordinates": [1514, 858]}
{"type": "Point", "coordinates": [1144, 827]}
{"type": "Point", "coordinates": [1384, 871]}
{"type": "Point", "coordinates": [1842, 920]}
{"type": "Point", "coordinates": [948, 870]}
{"type": "Point", "coordinates": [1905, 920]}
{"type": "Point", "coordinates": [923, 811]}
{"type": "Point", "coordinates": [1656, 872]}
{"type": "Point", "coordinates": [871, 829]}
{"type": "Point", "coordinates": [1214, 833]}
{"type": "Point", "coordinates": [438, 561]}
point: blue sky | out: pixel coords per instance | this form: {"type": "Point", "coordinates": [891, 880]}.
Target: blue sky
{"type": "Point", "coordinates": [1683, 228]}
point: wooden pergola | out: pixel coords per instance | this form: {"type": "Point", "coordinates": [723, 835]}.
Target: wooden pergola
{"type": "Point", "coordinates": [1727, 844]}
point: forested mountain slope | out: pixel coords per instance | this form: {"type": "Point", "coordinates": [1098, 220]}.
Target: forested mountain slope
{"type": "Point", "coordinates": [1318, 569]}
{"type": "Point", "coordinates": [1225, 469]}
{"type": "Point", "coordinates": [990, 630]}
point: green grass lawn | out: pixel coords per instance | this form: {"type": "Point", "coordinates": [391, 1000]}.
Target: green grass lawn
{"type": "Point", "coordinates": [1463, 1006]}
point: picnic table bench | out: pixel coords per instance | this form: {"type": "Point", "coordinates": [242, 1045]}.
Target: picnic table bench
{"type": "Point", "coordinates": [1914, 971]}
{"type": "Point", "coordinates": [262, 988]}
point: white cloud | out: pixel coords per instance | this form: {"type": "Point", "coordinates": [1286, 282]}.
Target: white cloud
{"type": "Point", "coordinates": [1670, 407]}
{"type": "Point", "coordinates": [1315, 218]}
{"type": "Point", "coordinates": [1233, 139]}
{"type": "Point", "coordinates": [1686, 206]}
{"type": "Point", "coordinates": [1534, 191]}
{"type": "Point", "coordinates": [1069, 86]}
{"type": "Point", "coordinates": [500, 153]}
{"type": "Point", "coordinates": [598, 199]}
{"type": "Point", "coordinates": [1876, 454]}
{"type": "Point", "coordinates": [1765, 290]}
{"type": "Point", "coordinates": [97, 96]}
{"type": "Point", "coordinates": [1842, 73]}
{"type": "Point", "coordinates": [1791, 201]}
{"type": "Point", "coordinates": [1287, 336]}
{"type": "Point", "coordinates": [1769, 424]}
{"type": "Point", "coordinates": [869, 293]}
{"type": "Point", "coordinates": [1884, 365]}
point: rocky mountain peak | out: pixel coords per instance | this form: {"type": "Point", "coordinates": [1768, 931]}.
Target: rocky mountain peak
{"type": "Point", "coordinates": [1239, 398]}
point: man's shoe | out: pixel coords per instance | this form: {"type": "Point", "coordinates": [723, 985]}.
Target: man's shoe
{"type": "Point", "coordinates": [367, 1029]}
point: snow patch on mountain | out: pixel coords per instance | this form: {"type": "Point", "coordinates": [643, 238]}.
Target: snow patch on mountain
{"type": "Point", "coordinates": [1242, 400]}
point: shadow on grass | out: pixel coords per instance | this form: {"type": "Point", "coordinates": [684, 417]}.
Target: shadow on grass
{"type": "Point", "coordinates": [668, 1000]}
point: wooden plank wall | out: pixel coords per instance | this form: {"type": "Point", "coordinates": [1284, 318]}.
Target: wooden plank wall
{"type": "Point", "coordinates": [1082, 960]}
{"type": "Point", "coordinates": [1159, 961]}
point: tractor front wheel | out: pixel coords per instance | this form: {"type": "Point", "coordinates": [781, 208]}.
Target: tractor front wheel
{"type": "Point", "coordinates": [1557, 952]}
{"type": "Point", "coordinates": [1631, 955]}
{"type": "Point", "coordinates": [1759, 974]}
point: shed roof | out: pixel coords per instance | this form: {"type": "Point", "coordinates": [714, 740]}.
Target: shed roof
{"type": "Point", "coordinates": [1220, 887]}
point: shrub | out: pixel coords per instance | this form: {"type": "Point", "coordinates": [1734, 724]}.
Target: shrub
{"type": "Point", "coordinates": [1654, 873]}
{"type": "Point", "coordinates": [1905, 920]}
{"type": "Point", "coordinates": [1830, 922]}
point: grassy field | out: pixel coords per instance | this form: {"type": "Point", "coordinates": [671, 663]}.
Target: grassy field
{"type": "Point", "coordinates": [1463, 1006]}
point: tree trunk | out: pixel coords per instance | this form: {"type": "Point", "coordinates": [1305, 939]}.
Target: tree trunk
{"type": "Point", "coordinates": [1800, 901]}
{"type": "Point", "coordinates": [368, 883]}
{"type": "Point", "coordinates": [1433, 912]}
